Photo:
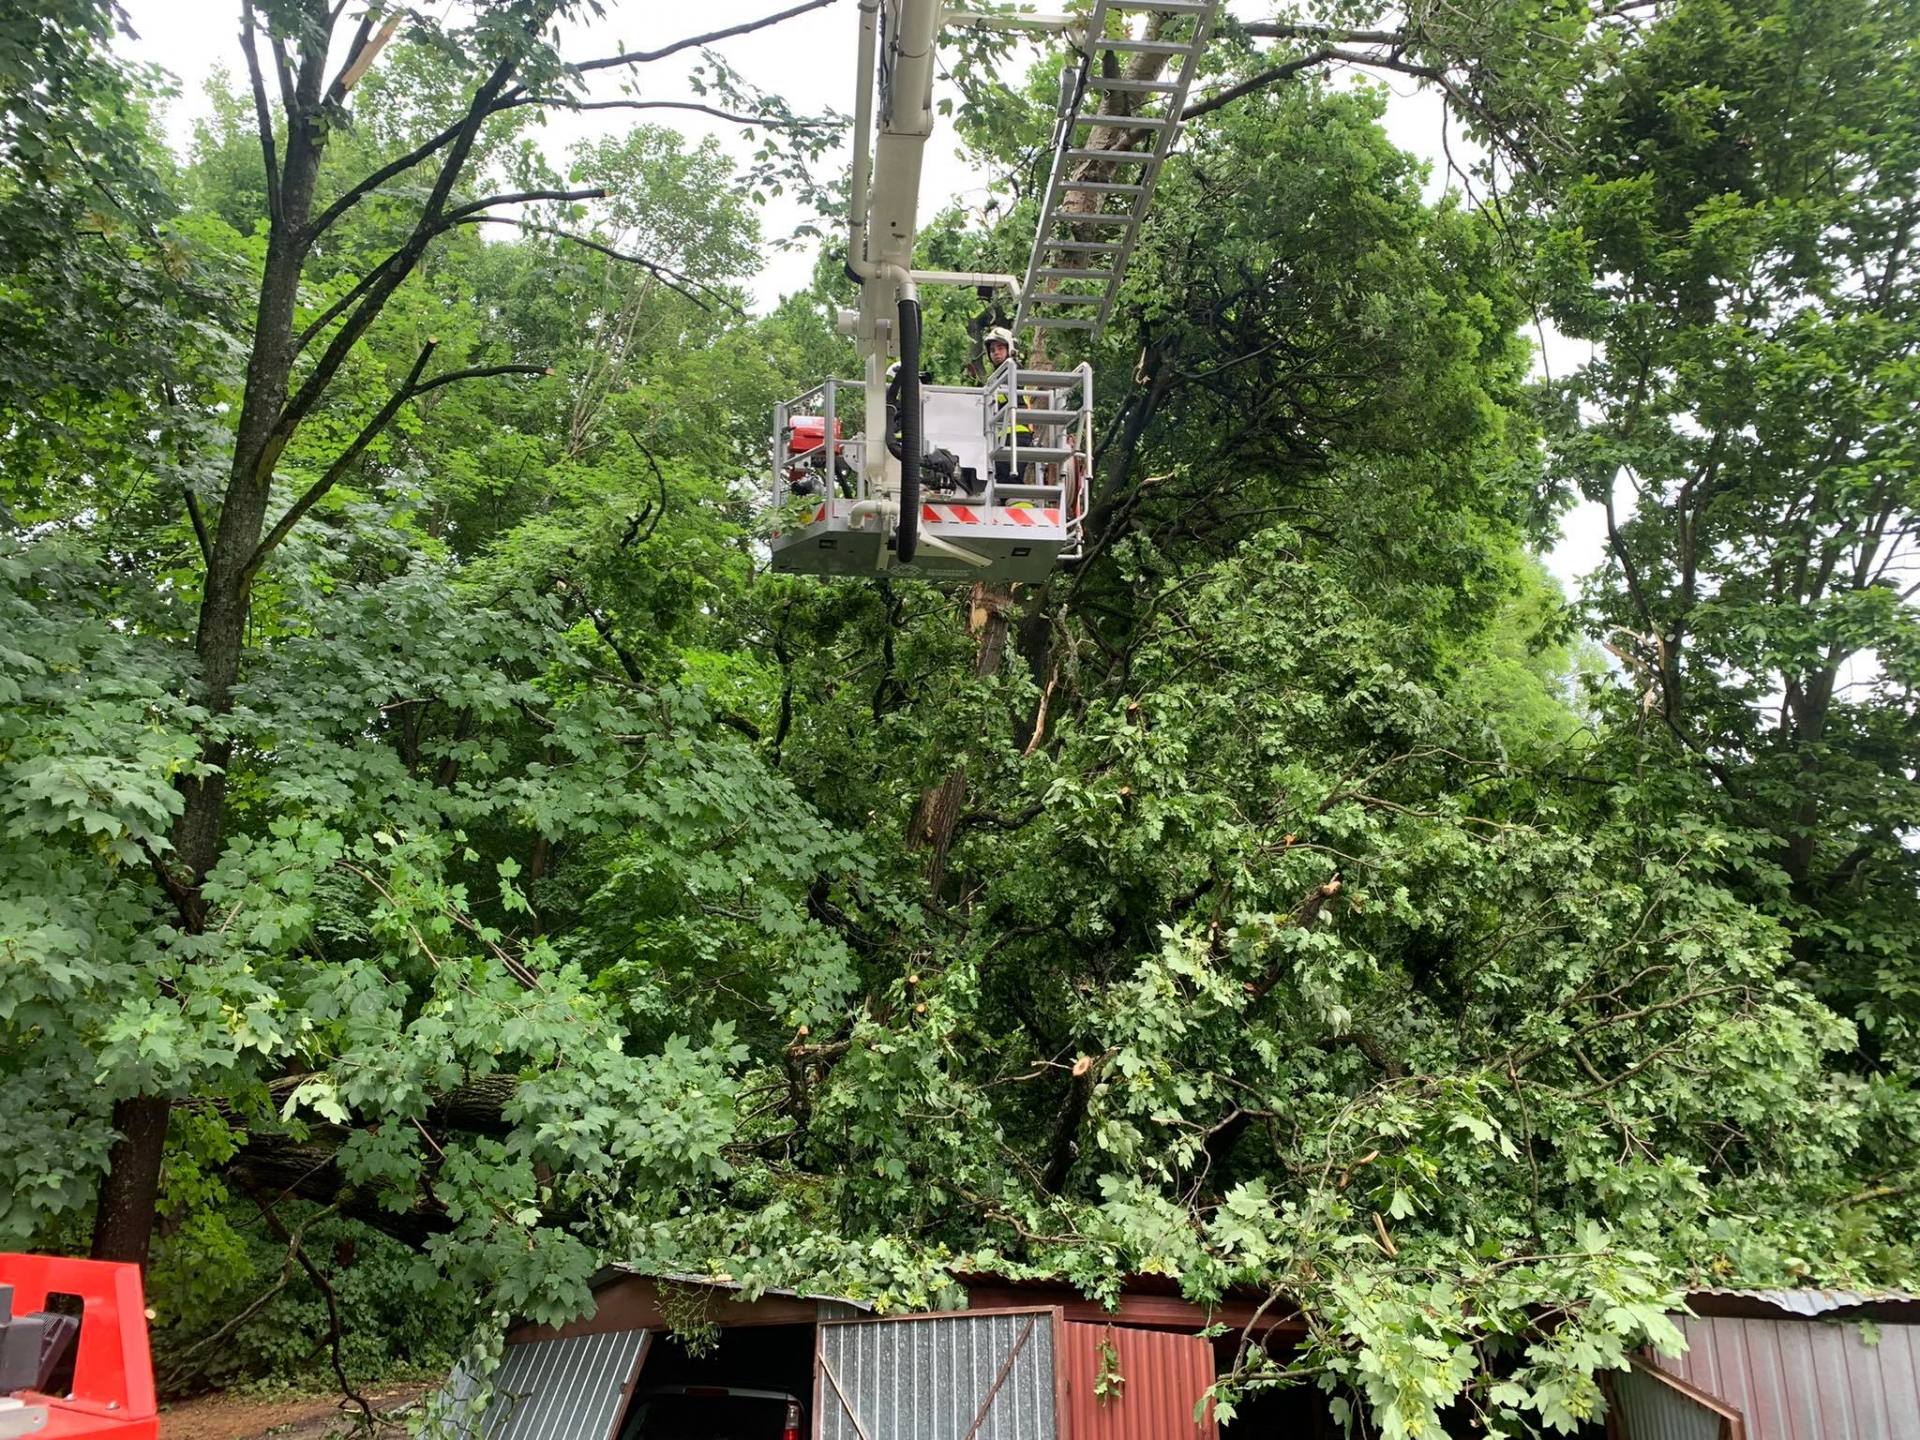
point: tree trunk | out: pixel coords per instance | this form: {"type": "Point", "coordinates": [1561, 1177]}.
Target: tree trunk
{"type": "Point", "coordinates": [123, 1222]}
{"type": "Point", "coordinates": [124, 1211]}
{"type": "Point", "coordinates": [939, 809]}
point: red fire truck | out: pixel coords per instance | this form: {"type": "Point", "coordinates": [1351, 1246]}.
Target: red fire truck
{"type": "Point", "coordinates": [73, 1351]}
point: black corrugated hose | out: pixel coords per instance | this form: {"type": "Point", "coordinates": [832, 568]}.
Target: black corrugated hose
{"type": "Point", "coordinates": [907, 541]}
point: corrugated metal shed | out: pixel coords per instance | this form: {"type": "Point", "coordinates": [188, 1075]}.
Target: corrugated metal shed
{"type": "Point", "coordinates": [1164, 1375]}
{"type": "Point", "coordinates": [559, 1389]}
{"type": "Point", "coordinates": [992, 1376]}
{"type": "Point", "coordinates": [1652, 1405]}
{"type": "Point", "coordinates": [1807, 1379]}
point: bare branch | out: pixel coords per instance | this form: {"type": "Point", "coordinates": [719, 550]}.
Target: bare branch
{"type": "Point", "coordinates": [334, 1332]}
{"type": "Point", "coordinates": [460, 216]}
{"type": "Point", "coordinates": [199, 525]}
{"type": "Point", "coordinates": [262, 118]}
{"type": "Point", "coordinates": [1327, 34]}
{"type": "Point", "coordinates": [339, 307]}
{"type": "Point", "coordinates": [518, 197]}
{"type": "Point", "coordinates": [356, 193]}
{"type": "Point", "coordinates": [477, 372]}
{"type": "Point", "coordinates": [660, 509]}
{"type": "Point", "coordinates": [561, 102]}
{"type": "Point", "coordinates": [667, 276]}
{"type": "Point", "coordinates": [347, 458]}
{"type": "Point", "coordinates": [1260, 81]}
{"type": "Point", "coordinates": [289, 92]}
{"type": "Point", "coordinates": [645, 57]}
{"type": "Point", "coordinates": [391, 275]}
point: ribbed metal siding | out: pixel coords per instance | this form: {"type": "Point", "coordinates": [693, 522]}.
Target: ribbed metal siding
{"type": "Point", "coordinates": [1165, 1376]}
{"type": "Point", "coordinates": [559, 1389]}
{"type": "Point", "coordinates": [1807, 1380]}
{"type": "Point", "coordinates": [925, 1379]}
{"type": "Point", "coordinates": [1653, 1410]}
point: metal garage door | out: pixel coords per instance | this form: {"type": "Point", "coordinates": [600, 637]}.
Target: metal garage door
{"type": "Point", "coordinates": [571, 1389]}
{"type": "Point", "coordinates": [987, 1376]}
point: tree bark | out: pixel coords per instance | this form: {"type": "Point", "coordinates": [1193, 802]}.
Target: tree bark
{"type": "Point", "coordinates": [124, 1210]}
{"type": "Point", "coordinates": [123, 1223]}
{"type": "Point", "coordinates": [939, 809]}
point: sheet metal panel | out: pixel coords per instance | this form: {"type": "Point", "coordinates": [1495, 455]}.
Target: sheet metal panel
{"type": "Point", "coordinates": [1652, 1409]}
{"type": "Point", "coordinates": [1165, 1376]}
{"type": "Point", "coordinates": [572, 1389]}
{"type": "Point", "coordinates": [928, 1377]}
{"type": "Point", "coordinates": [1807, 1380]}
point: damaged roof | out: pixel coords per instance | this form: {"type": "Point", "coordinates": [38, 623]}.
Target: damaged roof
{"type": "Point", "coordinates": [1806, 1304]}
{"type": "Point", "coordinates": [621, 1270]}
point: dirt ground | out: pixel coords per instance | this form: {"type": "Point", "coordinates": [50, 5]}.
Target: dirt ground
{"type": "Point", "coordinates": [295, 1417]}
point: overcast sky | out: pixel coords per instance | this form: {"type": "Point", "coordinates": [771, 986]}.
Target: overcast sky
{"type": "Point", "coordinates": [809, 60]}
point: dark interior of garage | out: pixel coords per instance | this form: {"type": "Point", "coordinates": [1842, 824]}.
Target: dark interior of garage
{"type": "Point", "coordinates": [758, 1357]}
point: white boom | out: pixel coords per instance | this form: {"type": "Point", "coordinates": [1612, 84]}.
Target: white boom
{"type": "Point", "coordinates": [885, 211]}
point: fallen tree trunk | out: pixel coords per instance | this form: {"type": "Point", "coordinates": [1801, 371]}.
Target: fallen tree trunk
{"type": "Point", "coordinates": [272, 1165]}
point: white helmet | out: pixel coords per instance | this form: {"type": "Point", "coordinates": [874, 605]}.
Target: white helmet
{"type": "Point", "coordinates": [1005, 337]}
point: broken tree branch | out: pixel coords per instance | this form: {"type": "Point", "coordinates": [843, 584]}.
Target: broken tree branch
{"type": "Point", "coordinates": [334, 1330]}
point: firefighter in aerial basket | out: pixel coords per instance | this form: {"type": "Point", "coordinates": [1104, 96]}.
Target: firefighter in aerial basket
{"type": "Point", "coordinates": [1000, 348]}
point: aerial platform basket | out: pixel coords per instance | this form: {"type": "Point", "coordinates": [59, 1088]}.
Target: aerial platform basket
{"type": "Point", "coordinates": [1003, 491]}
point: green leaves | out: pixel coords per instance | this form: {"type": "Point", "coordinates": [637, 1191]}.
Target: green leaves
{"type": "Point", "coordinates": [1319, 915]}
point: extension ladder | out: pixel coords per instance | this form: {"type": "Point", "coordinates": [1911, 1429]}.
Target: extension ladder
{"type": "Point", "coordinates": [1080, 252]}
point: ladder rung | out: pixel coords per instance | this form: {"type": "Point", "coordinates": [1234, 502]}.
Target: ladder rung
{"type": "Point", "coordinates": [1063, 297]}
{"type": "Point", "coordinates": [1105, 187]}
{"type": "Point", "coordinates": [1147, 47]}
{"type": "Point", "coordinates": [1123, 122]}
{"type": "Point", "coordinates": [1139, 157]}
{"type": "Point", "coordinates": [1060, 322]}
{"type": "Point", "coordinates": [1165, 7]}
{"type": "Point", "coordinates": [1037, 453]}
{"type": "Point", "coordinates": [1132, 87]}
{"type": "Point", "coordinates": [1059, 273]}
{"type": "Point", "coordinates": [1087, 247]}
{"type": "Point", "coordinates": [1094, 217]}
{"type": "Point", "coordinates": [1045, 417]}
{"type": "Point", "coordinates": [1047, 379]}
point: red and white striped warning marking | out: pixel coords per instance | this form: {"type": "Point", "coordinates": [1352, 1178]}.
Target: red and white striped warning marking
{"type": "Point", "coordinates": [987, 515]}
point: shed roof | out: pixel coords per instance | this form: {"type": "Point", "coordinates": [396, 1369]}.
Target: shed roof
{"type": "Point", "coordinates": [622, 1270]}
{"type": "Point", "coordinates": [1806, 1304]}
